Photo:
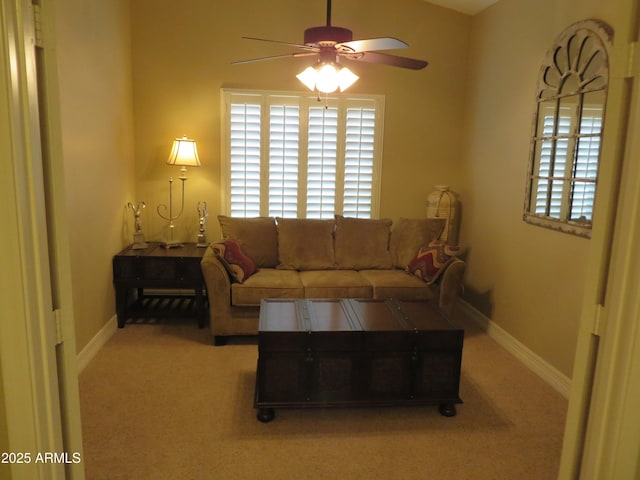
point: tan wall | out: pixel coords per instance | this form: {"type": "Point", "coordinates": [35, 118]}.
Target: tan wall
{"type": "Point", "coordinates": [93, 48]}
{"type": "Point", "coordinates": [5, 469]}
{"type": "Point", "coordinates": [528, 279]}
{"type": "Point", "coordinates": [182, 54]}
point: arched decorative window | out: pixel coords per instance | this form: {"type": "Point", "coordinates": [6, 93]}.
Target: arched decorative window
{"type": "Point", "coordinates": [567, 130]}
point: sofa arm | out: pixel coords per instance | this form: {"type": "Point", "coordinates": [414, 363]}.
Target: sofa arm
{"type": "Point", "coordinates": [218, 286]}
{"type": "Point", "coordinates": [451, 286]}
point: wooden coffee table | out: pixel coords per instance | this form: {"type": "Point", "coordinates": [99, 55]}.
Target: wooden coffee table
{"type": "Point", "coordinates": [348, 352]}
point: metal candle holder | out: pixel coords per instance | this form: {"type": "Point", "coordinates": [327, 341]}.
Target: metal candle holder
{"type": "Point", "coordinates": [202, 215]}
{"type": "Point", "coordinates": [138, 236]}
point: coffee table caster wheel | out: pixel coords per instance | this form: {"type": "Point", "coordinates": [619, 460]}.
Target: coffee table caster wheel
{"type": "Point", "coordinates": [265, 415]}
{"type": "Point", "coordinates": [447, 410]}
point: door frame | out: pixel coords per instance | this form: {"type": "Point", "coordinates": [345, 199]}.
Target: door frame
{"type": "Point", "coordinates": [602, 428]}
{"type": "Point", "coordinates": [37, 340]}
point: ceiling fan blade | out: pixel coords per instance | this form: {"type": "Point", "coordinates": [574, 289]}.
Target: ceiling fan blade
{"type": "Point", "coordinates": [385, 43]}
{"type": "Point", "coordinates": [296, 45]}
{"type": "Point", "coordinates": [274, 57]}
{"type": "Point", "coordinates": [386, 59]}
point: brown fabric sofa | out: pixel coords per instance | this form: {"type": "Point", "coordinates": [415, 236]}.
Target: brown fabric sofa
{"type": "Point", "coordinates": [305, 258]}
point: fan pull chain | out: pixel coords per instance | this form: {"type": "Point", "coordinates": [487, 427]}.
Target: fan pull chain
{"type": "Point", "coordinates": [326, 99]}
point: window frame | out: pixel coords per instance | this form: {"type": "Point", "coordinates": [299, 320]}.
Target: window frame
{"type": "Point", "coordinates": [560, 65]}
{"type": "Point", "coordinates": [266, 98]}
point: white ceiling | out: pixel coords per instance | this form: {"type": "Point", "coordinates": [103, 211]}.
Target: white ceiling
{"type": "Point", "coordinates": [470, 7]}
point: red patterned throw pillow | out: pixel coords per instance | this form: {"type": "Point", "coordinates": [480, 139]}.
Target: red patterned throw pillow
{"type": "Point", "coordinates": [430, 261]}
{"type": "Point", "coordinates": [239, 266]}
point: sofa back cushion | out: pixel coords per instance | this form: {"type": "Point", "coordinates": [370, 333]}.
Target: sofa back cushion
{"type": "Point", "coordinates": [305, 244]}
{"type": "Point", "coordinates": [409, 235]}
{"type": "Point", "coordinates": [362, 243]}
{"type": "Point", "coordinates": [257, 237]}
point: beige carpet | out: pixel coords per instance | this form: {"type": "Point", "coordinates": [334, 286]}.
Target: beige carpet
{"type": "Point", "coordinates": [160, 402]}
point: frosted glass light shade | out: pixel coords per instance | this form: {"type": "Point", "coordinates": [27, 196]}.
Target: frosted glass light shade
{"type": "Point", "coordinates": [346, 78]}
{"type": "Point", "coordinates": [327, 79]}
{"type": "Point", "coordinates": [184, 153]}
{"type": "Point", "coordinates": [308, 77]}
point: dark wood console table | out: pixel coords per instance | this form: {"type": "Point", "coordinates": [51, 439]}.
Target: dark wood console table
{"type": "Point", "coordinates": [160, 269]}
{"type": "Point", "coordinates": [330, 353]}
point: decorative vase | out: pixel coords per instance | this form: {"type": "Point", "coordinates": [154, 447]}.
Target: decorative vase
{"type": "Point", "coordinates": [443, 203]}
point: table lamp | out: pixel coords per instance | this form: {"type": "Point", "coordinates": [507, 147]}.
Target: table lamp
{"type": "Point", "coordinates": [185, 154]}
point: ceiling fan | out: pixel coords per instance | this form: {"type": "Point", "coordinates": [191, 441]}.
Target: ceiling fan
{"type": "Point", "coordinates": [330, 44]}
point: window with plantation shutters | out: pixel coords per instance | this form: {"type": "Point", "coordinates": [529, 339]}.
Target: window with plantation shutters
{"type": "Point", "coordinates": [292, 155]}
{"type": "Point", "coordinates": [567, 131]}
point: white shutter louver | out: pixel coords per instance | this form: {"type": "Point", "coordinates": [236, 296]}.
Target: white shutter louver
{"type": "Point", "coordinates": [550, 203]}
{"type": "Point", "coordinates": [321, 162]}
{"type": "Point", "coordinates": [586, 165]}
{"type": "Point", "coordinates": [358, 162]}
{"type": "Point", "coordinates": [244, 160]}
{"type": "Point", "coordinates": [284, 132]}
{"type": "Point", "coordinates": [581, 181]}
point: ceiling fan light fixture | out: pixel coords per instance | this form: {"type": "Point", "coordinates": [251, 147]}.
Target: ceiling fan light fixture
{"type": "Point", "coordinates": [326, 78]}
{"type": "Point", "coordinates": [329, 43]}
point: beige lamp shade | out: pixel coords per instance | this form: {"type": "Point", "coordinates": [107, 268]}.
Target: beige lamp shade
{"type": "Point", "coordinates": [184, 153]}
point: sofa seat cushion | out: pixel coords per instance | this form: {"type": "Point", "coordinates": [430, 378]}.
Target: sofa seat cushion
{"type": "Point", "coordinates": [335, 284]}
{"type": "Point", "coordinates": [398, 284]}
{"type": "Point", "coordinates": [266, 283]}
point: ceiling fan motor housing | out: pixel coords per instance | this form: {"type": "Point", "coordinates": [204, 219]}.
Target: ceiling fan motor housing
{"type": "Point", "coordinates": [327, 35]}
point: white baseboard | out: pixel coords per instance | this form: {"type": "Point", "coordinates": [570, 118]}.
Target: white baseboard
{"type": "Point", "coordinates": [96, 343]}
{"type": "Point", "coordinates": [555, 378]}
